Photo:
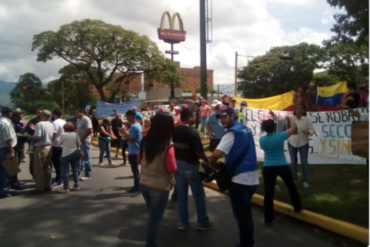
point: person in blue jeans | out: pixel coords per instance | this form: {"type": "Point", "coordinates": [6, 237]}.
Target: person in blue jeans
{"type": "Point", "coordinates": [133, 137]}
{"type": "Point", "coordinates": [188, 149]}
{"type": "Point", "coordinates": [275, 164]}
{"type": "Point", "coordinates": [241, 162]}
{"type": "Point", "coordinates": [105, 137]}
{"type": "Point", "coordinates": [157, 159]}
{"type": "Point", "coordinates": [69, 142]}
{"type": "Point", "coordinates": [84, 130]}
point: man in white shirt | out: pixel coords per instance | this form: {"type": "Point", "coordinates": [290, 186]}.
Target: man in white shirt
{"type": "Point", "coordinates": [8, 139]}
{"type": "Point", "coordinates": [84, 131]}
{"type": "Point", "coordinates": [42, 138]}
{"type": "Point", "coordinates": [241, 163]}
{"type": "Point", "coordinates": [58, 124]}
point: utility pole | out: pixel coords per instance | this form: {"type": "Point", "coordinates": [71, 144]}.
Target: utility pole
{"type": "Point", "coordinates": [203, 50]}
{"type": "Point", "coordinates": [236, 75]}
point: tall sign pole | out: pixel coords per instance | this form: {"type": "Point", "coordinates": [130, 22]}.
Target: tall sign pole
{"type": "Point", "coordinates": [203, 50]}
{"type": "Point", "coordinates": [172, 36]}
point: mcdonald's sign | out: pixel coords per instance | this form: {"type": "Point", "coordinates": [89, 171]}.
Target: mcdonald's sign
{"type": "Point", "coordinates": [171, 35]}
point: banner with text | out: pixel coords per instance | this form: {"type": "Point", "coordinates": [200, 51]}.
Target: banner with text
{"type": "Point", "coordinates": [330, 145]}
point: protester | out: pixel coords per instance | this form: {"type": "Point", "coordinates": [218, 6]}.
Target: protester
{"type": "Point", "coordinates": [233, 105]}
{"type": "Point", "coordinates": [8, 140]}
{"type": "Point", "coordinates": [94, 122]}
{"type": "Point", "coordinates": [69, 141]}
{"type": "Point", "coordinates": [30, 129]}
{"type": "Point", "coordinates": [157, 167]}
{"type": "Point", "coordinates": [299, 143]}
{"type": "Point", "coordinates": [241, 162]}
{"type": "Point", "coordinates": [116, 123]}
{"type": "Point", "coordinates": [42, 138]}
{"type": "Point", "coordinates": [215, 129]}
{"type": "Point", "coordinates": [106, 135]}
{"type": "Point", "coordinates": [299, 97]}
{"type": "Point", "coordinates": [84, 131]}
{"type": "Point", "coordinates": [58, 124]}
{"type": "Point", "coordinates": [146, 127]}
{"type": "Point", "coordinates": [364, 96]}
{"type": "Point", "coordinates": [19, 148]}
{"type": "Point", "coordinates": [188, 149]}
{"type": "Point", "coordinates": [134, 138]}
{"type": "Point", "coordinates": [205, 110]}
{"type": "Point", "coordinates": [242, 112]}
{"type": "Point", "coordinates": [311, 96]}
{"type": "Point", "coordinates": [352, 97]}
{"type": "Point", "coordinates": [276, 164]}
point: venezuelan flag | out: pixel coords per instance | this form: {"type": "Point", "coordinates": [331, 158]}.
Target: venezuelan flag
{"type": "Point", "coordinates": [278, 102]}
{"type": "Point", "coordinates": [329, 98]}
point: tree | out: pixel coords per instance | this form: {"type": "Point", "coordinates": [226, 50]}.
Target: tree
{"type": "Point", "coordinates": [279, 70]}
{"type": "Point", "coordinates": [352, 25]}
{"type": "Point", "coordinates": [29, 94]}
{"type": "Point", "coordinates": [72, 88]}
{"type": "Point", "coordinates": [104, 52]}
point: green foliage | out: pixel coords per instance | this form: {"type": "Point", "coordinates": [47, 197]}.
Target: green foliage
{"type": "Point", "coordinates": [325, 79]}
{"type": "Point", "coordinates": [282, 69]}
{"type": "Point", "coordinates": [29, 94]}
{"type": "Point", "coordinates": [352, 25]}
{"type": "Point", "coordinates": [104, 52]}
{"type": "Point", "coordinates": [74, 86]}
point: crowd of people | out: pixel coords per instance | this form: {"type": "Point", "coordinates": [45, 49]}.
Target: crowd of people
{"type": "Point", "coordinates": [169, 149]}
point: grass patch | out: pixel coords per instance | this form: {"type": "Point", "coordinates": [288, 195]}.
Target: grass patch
{"type": "Point", "coordinates": [338, 191]}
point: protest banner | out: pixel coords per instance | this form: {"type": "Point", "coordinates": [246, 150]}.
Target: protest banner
{"type": "Point", "coordinates": [330, 145]}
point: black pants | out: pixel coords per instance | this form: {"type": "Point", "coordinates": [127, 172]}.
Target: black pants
{"type": "Point", "coordinates": [213, 144]}
{"type": "Point", "coordinates": [55, 158]}
{"type": "Point", "coordinates": [124, 147]}
{"type": "Point", "coordinates": [240, 196]}
{"type": "Point", "coordinates": [269, 177]}
{"type": "Point", "coordinates": [132, 158]}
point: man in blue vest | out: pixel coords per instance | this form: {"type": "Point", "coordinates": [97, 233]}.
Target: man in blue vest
{"type": "Point", "coordinates": [241, 162]}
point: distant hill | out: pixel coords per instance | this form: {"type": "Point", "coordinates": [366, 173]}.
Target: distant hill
{"type": "Point", "coordinates": [5, 89]}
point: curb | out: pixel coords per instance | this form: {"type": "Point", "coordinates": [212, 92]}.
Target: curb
{"type": "Point", "coordinates": [349, 230]}
{"type": "Point", "coordinates": [358, 233]}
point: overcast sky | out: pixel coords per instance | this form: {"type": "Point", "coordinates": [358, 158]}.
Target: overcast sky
{"type": "Point", "coordinates": [250, 27]}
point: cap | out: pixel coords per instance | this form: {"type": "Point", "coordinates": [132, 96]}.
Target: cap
{"type": "Point", "coordinates": [46, 113]}
{"type": "Point", "coordinates": [224, 110]}
{"type": "Point", "coordinates": [134, 108]}
{"type": "Point", "coordinates": [216, 102]}
{"type": "Point", "coordinates": [204, 101]}
{"type": "Point", "coordinates": [243, 102]}
{"type": "Point", "coordinates": [17, 111]}
{"type": "Point", "coordinates": [232, 100]}
{"type": "Point", "coordinates": [6, 110]}
{"type": "Point", "coordinates": [184, 106]}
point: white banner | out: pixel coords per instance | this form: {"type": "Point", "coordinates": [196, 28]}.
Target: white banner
{"type": "Point", "coordinates": [330, 145]}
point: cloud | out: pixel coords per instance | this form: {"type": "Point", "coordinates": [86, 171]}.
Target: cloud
{"type": "Point", "coordinates": [249, 27]}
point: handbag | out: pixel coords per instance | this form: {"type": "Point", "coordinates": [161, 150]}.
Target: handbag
{"type": "Point", "coordinates": [79, 153]}
{"type": "Point", "coordinates": [207, 174]}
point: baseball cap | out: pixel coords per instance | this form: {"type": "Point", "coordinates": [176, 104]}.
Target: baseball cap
{"type": "Point", "coordinates": [243, 102]}
{"type": "Point", "coordinates": [6, 109]}
{"type": "Point", "coordinates": [216, 102]}
{"type": "Point", "coordinates": [18, 111]}
{"type": "Point", "coordinates": [224, 110]}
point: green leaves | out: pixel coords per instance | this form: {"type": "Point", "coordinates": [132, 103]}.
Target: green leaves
{"type": "Point", "coordinates": [100, 50]}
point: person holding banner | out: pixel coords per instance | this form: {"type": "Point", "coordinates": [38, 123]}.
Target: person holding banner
{"type": "Point", "coordinates": [275, 164]}
{"type": "Point", "coordinates": [299, 142]}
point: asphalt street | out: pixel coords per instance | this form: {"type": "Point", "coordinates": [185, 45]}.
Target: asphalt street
{"type": "Point", "coordinates": [103, 214]}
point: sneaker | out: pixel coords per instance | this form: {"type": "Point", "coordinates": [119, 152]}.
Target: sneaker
{"type": "Point", "coordinates": [101, 164]}
{"type": "Point", "coordinates": [133, 190]}
{"type": "Point", "coordinates": [182, 227]}
{"type": "Point", "coordinates": [205, 227]}
{"type": "Point", "coordinates": [85, 178]}
{"type": "Point", "coordinates": [306, 185]}
{"type": "Point", "coordinates": [63, 191]}
{"type": "Point", "coordinates": [112, 164]}
{"type": "Point", "coordinates": [57, 185]}
{"type": "Point", "coordinates": [75, 188]}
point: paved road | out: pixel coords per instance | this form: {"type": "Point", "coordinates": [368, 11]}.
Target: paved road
{"type": "Point", "coordinates": [103, 214]}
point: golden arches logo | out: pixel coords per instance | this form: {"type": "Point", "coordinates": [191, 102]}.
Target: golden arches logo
{"type": "Point", "coordinates": [171, 35]}
{"type": "Point", "coordinates": [171, 20]}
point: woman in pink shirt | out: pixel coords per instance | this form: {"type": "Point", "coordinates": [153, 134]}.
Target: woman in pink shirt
{"type": "Point", "coordinates": [157, 159]}
{"type": "Point", "coordinates": [204, 112]}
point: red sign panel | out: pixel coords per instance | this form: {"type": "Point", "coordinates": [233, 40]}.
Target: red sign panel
{"type": "Point", "coordinates": [171, 35]}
